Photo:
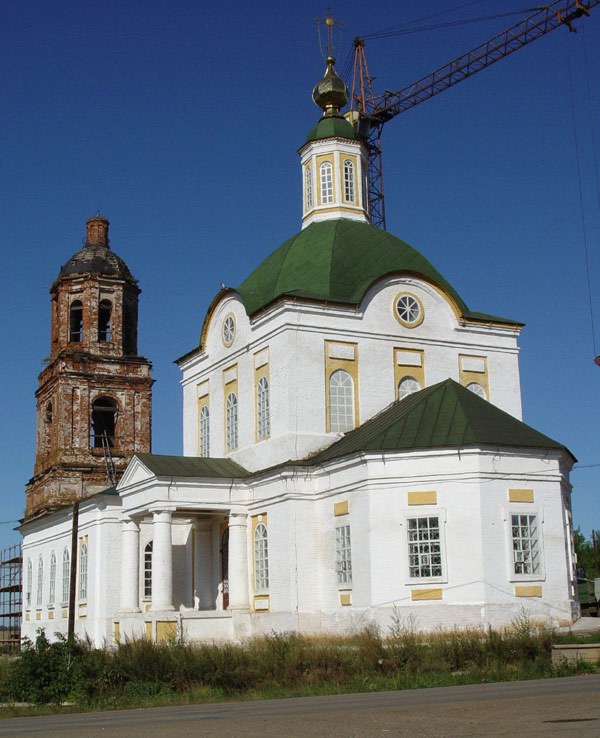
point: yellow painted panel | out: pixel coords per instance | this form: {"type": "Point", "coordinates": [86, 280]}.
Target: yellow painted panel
{"type": "Point", "coordinates": [422, 498]}
{"type": "Point", "coordinates": [50, 614]}
{"type": "Point", "coordinates": [340, 508]}
{"type": "Point", "coordinates": [520, 495]}
{"type": "Point", "coordinates": [528, 590]}
{"type": "Point", "coordinates": [147, 606]}
{"type": "Point", "coordinates": [27, 616]}
{"type": "Point", "coordinates": [38, 616]}
{"type": "Point", "coordinates": [261, 603]}
{"type": "Point", "coordinates": [348, 365]}
{"type": "Point", "coordinates": [166, 630]}
{"type": "Point", "coordinates": [345, 599]}
{"type": "Point", "coordinates": [426, 594]}
{"type": "Point", "coordinates": [148, 626]}
{"type": "Point", "coordinates": [117, 632]}
{"type": "Point", "coordinates": [64, 614]}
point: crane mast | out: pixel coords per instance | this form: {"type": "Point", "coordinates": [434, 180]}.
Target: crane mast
{"type": "Point", "coordinates": [370, 112]}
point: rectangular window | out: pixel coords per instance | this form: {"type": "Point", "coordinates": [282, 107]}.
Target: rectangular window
{"type": "Point", "coordinates": [424, 547]}
{"type": "Point", "coordinates": [343, 555]}
{"type": "Point", "coordinates": [526, 544]}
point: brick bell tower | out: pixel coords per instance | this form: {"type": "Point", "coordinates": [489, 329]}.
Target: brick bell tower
{"type": "Point", "coordinates": [94, 396]}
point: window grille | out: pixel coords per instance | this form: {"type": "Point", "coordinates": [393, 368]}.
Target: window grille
{"type": "Point", "coordinates": [263, 409]}
{"type": "Point", "coordinates": [231, 421]}
{"type": "Point", "coordinates": [343, 555]}
{"type": "Point", "coordinates": [309, 187]}
{"type": "Point", "coordinates": [40, 582]}
{"type": "Point", "coordinates": [52, 590]}
{"type": "Point", "coordinates": [204, 431]}
{"type": "Point", "coordinates": [83, 571]}
{"type": "Point", "coordinates": [526, 545]}
{"type": "Point", "coordinates": [29, 583]}
{"type": "Point", "coordinates": [424, 547]}
{"type": "Point", "coordinates": [261, 558]}
{"type": "Point", "coordinates": [326, 183]}
{"type": "Point", "coordinates": [406, 386]}
{"type": "Point", "coordinates": [348, 181]}
{"type": "Point", "coordinates": [66, 576]}
{"type": "Point", "coordinates": [341, 401]}
{"type": "Point", "coordinates": [148, 571]}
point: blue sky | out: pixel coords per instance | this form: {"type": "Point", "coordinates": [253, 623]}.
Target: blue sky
{"type": "Point", "coordinates": [180, 121]}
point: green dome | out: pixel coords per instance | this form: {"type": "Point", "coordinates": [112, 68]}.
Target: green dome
{"type": "Point", "coordinates": [332, 126]}
{"type": "Point", "coordinates": [336, 261]}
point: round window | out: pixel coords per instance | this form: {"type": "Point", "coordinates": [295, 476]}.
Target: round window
{"type": "Point", "coordinates": [407, 386]}
{"type": "Point", "coordinates": [477, 389]}
{"type": "Point", "coordinates": [408, 310]}
{"type": "Point", "coordinates": [229, 329]}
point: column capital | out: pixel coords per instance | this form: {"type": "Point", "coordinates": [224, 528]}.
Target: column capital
{"type": "Point", "coordinates": [164, 516]}
{"type": "Point", "coordinates": [237, 517]}
{"type": "Point", "coordinates": [130, 524]}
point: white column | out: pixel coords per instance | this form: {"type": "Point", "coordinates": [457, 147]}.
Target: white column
{"type": "Point", "coordinates": [203, 596]}
{"type": "Point", "coordinates": [238, 561]}
{"type": "Point", "coordinates": [162, 561]}
{"type": "Point", "coordinates": [130, 562]}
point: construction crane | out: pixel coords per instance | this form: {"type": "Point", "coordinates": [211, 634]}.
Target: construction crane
{"type": "Point", "coordinates": [369, 112]}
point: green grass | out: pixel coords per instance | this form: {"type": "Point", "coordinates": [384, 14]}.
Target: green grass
{"type": "Point", "coordinates": [142, 674]}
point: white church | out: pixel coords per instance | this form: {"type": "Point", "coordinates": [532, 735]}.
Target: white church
{"type": "Point", "coordinates": [353, 452]}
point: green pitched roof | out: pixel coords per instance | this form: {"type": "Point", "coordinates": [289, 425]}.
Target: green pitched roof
{"type": "Point", "coordinates": [333, 126]}
{"type": "Point", "coordinates": [445, 415]}
{"type": "Point", "coordinates": [337, 261]}
{"type": "Point", "coordinates": [192, 466]}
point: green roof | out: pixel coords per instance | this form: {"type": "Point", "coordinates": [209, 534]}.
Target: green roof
{"type": "Point", "coordinates": [332, 126]}
{"type": "Point", "coordinates": [445, 415]}
{"type": "Point", "coordinates": [192, 466]}
{"type": "Point", "coordinates": [337, 261]}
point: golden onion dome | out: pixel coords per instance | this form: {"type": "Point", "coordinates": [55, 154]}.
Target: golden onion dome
{"type": "Point", "coordinates": [331, 93]}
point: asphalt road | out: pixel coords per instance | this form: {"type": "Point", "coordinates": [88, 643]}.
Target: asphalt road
{"type": "Point", "coordinates": [544, 708]}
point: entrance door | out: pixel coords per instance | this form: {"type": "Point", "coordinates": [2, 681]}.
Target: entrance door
{"type": "Point", "coordinates": [225, 567]}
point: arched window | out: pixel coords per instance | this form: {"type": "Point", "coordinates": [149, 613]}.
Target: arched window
{"type": "Point", "coordinates": [406, 386]}
{"type": "Point", "coordinates": [28, 583]}
{"type": "Point", "coordinates": [308, 187]}
{"type": "Point", "coordinates": [477, 389]}
{"type": "Point", "coordinates": [104, 312]}
{"type": "Point", "coordinates": [261, 558]}
{"type": "Point", "coordinates": [326, 171]}
{"type": "Point", "coordinates": [263, 410]}
{"type": "Point", "coordinates": [204, 431]}
{"type": "Point", "coordinates": [349, 181]}
{"type": "Point", "coordinates": [104, 418]}
{"type": "Point", "coordinates": [341, 401]}
{"type": "Point", "coordinates": [83, 571]}
{"type": "Point", "coordinates": [40, 582]}
{"type": "Point", "coordinates": [52, 590]}
{"type": "Point", "coordinates": [231, 421]}
{"type": "Point", "coordinates": [66, 575]}
{"type": "Point", "coordinates": [365, 195]}
{"type": "Point", "coordinates": [75, 321]}
{"type": "Point", "coordinates": [48, 412]}
{"type": "Point", "coordinates": [148, 571]}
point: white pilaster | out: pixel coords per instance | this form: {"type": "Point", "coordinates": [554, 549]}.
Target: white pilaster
{"type": "Point", "coordinates": [130, 561]}
{"type": "Point", "coordinates": [238, 561]}
{"type": "Point", "coordinates": [162, 561]}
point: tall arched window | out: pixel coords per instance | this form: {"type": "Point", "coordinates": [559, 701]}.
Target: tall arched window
{"type": "Point", "coordinates": [40, 582]}
{"type": "Point", "coordinates": [75, 321]}
{"type": "Point", "coordinates": [308, 186]}
{"type": "Point", "coordinates": [365, 194]}
{"type": "Point", "coordinates": [104, 418]}
{"type": "Point", "coordinates": [349, 181]}
{"type": "Point", "coordinates": [204, 431]}
{"type": "Point", "coordinates": [263, 409]}
{"type": "Point", "coordinates": [83, 571]}
{"type": "Point", "coordinates": [326, 172]}
{"type": "Point", "coordinates": [261, 558]}
{"type": "Point", "coordinates": [52, 590]}
{"type": "Point", "coordinates": [406, 386]}
{"type": "Point", "coordinates": [148, 571]}
{"type": "Point", "coordinates": [28, 583]}
{"type": "Point", "coordinates": [104, 311]}
{"type": "Point", "coordinates": [66, 575]}
{"type": "Point", "coordinates": [231, 421]}
{"type": "Point", "coordinates": [48, 412]}
{"type": "Point", "coordinates": [341, 401]}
